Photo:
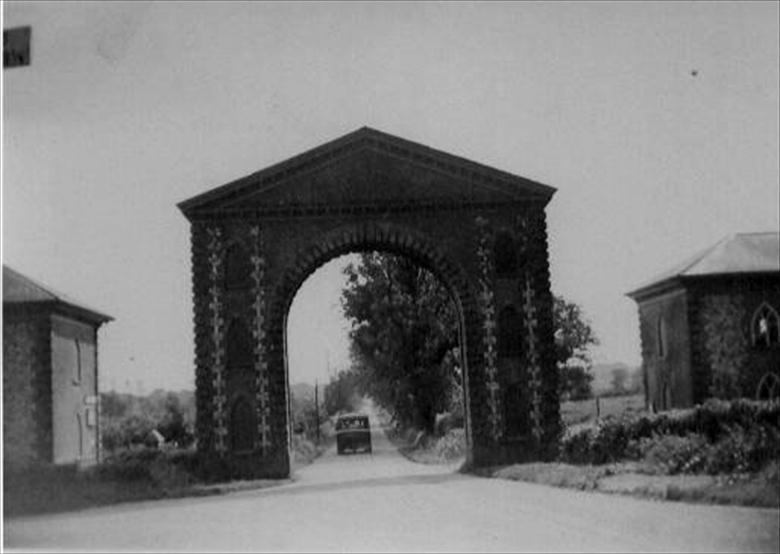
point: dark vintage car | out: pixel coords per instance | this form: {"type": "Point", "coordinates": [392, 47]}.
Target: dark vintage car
{"type": "Point", "coordinates": [353, 432]}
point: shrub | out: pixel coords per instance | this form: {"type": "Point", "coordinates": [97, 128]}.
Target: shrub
{"type": "Point", "coordinates": [451, 446]}
{"type": "Point", "coordinates": [128, 466]}
{"type": "Point", "coordinates": [304, 450]}
{"type": "Point", "coordinates": [445, 422]}
{"type": "Point", "coordinates": [748, 426]}
{"type": "Point", "coordinates": [575, 445]}
{"type": "Point", "coordinates": [743, 450]}
{"type": "Point", "coordinates": [165, 469]}
{"type": "Point", "coordinates": [605, 442]}
{"type": "Point", "coordinates": [673, 454]}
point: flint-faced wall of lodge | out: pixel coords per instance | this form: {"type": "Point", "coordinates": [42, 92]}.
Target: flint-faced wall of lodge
{"type": "Point", "coordinates": [697, 323]}
{"type": "Point", "coordinates": [27, 407]}
{"type": "Point", "coordinates": [710, 300]}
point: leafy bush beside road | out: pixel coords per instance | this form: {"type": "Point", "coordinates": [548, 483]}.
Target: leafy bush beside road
{"type": "Point", "coordinates": [127, 420]}
{"type": "Point", "coordinates": [417, 446]}
{"type": "Point", "coordinates": [723, 452]}
{"type": "Point", "coordinates": [131, 475]}
{"type": "Point", "coordinates": [716, 437]}
{"type": "Point", "coordinates": [137, 475]}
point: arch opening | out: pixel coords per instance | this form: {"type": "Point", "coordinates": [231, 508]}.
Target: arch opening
{"type": "Point", "coordinates": [352, 380]}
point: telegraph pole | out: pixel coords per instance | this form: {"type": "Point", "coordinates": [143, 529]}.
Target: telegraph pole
{"type": "Point", "coordinates": [317, 407]}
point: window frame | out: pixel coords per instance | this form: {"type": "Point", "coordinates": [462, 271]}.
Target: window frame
{"type": "Point", "coordinates": [772, 317]}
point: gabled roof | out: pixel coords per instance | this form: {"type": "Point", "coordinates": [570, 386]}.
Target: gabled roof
{"type": "Point", "coordinates": [734, 254]}
{"type": "Point", "coordinates": [19, 289]}
{"type": "Point", "coordinates": [362, 142]}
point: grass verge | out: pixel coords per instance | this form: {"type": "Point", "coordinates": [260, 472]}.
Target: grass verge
{"type": "Point", "coordinates": [758, 489]}
{"type": "Point", "coordinates": [137, 477]}
{"type": "Point", "coordinates": [422, 449]}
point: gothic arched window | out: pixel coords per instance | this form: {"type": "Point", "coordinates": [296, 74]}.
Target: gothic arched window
{"type": "Point", "coordinates": [768, 387]}
{"type": "Point", "coordinates": [238, 269]}
{"type": "Point", "coordinates": [239, 351]}
{"type": "Point", "coordinates": [765, 326]}
{"type": "Point", "coordinates": [242, 425]}
{"type": "Point", "coordinates": [505, 254]}
{"type": "Point", "coordinates": [510, 333]}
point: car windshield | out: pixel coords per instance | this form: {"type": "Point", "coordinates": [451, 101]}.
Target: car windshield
{"type": "Point", "coordinates": [352, 423]}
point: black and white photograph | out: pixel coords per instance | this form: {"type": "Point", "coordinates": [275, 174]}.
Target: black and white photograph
{"type": "Point", "coordinates": [377, 276]}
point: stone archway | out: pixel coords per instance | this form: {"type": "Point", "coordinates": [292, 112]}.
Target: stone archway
{"type": "Point", "coordinates": [255, 240]}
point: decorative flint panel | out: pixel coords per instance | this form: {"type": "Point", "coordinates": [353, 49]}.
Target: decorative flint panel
{"type": "Point", "coordinates": [487, 305]}
{"type": "Point", "coordinates": [217, 324]}
{"type": "Point", "coordinates": [262, 398]}
{"type": "Point", "coordinates": [533, 364]}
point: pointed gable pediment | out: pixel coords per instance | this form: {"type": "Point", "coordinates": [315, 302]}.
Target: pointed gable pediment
{"type": "Point", "coordinates": [367, 168]}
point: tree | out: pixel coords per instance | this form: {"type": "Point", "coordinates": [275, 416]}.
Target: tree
{"type": "Point", "coordinates": [404, 324]}
{"type": "Point", "coordinates": [573, 338]}
{"type": "Point", "coordinates": [405, 332]}
{"type": "Point", "coordinates": [341, 393]}
{"type": "Point", "coordinates": [113, 405]}
{"type": "Point", "coordinates": [574, 382]}
{"type": "Point", "coordinates": [636, 380]}
{"type": "Point", "coordinates": [620, 380]}
{"type": "Point", "coordinates": [172, 424]}
{"type": "Point", "coordinates": [127, 419]}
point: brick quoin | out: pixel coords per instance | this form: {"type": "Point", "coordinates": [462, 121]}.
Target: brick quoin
{"type": "Point", "coordinates": [372, 191]}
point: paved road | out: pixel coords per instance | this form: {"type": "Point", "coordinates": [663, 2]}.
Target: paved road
{"type": "Point", "coordinates": [382, 502]}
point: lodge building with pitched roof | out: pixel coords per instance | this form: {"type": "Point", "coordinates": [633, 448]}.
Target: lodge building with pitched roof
{"type": "Point", "coordinates": [50, 375]}
{"type": "Point", "coordinates": [710, 327]}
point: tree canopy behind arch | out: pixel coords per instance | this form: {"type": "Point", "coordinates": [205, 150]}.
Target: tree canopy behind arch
{"type": "Point", "coordinates": [405, 334]}
{"type": "Point", "coordinates": [573, 339]}
{"type": "Point", "coordinates": [404, 330]}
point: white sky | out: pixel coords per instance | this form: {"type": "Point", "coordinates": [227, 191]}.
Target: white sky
{"type": "Point", "coordinates": [128, 109]}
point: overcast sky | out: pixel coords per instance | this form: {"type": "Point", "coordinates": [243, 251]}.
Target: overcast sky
{"type": "Point", "coordinates": [656, 122]}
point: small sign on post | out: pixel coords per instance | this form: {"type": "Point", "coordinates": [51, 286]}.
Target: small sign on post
{"type": "Point", "coordinates": [16, 46]}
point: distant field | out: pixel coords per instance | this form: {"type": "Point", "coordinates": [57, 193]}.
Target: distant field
{"type": "Point", "coordinates": [583, 410]}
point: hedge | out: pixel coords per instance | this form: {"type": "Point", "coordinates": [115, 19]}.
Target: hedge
{"type": "Point", "coordinates": [744, 423]}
